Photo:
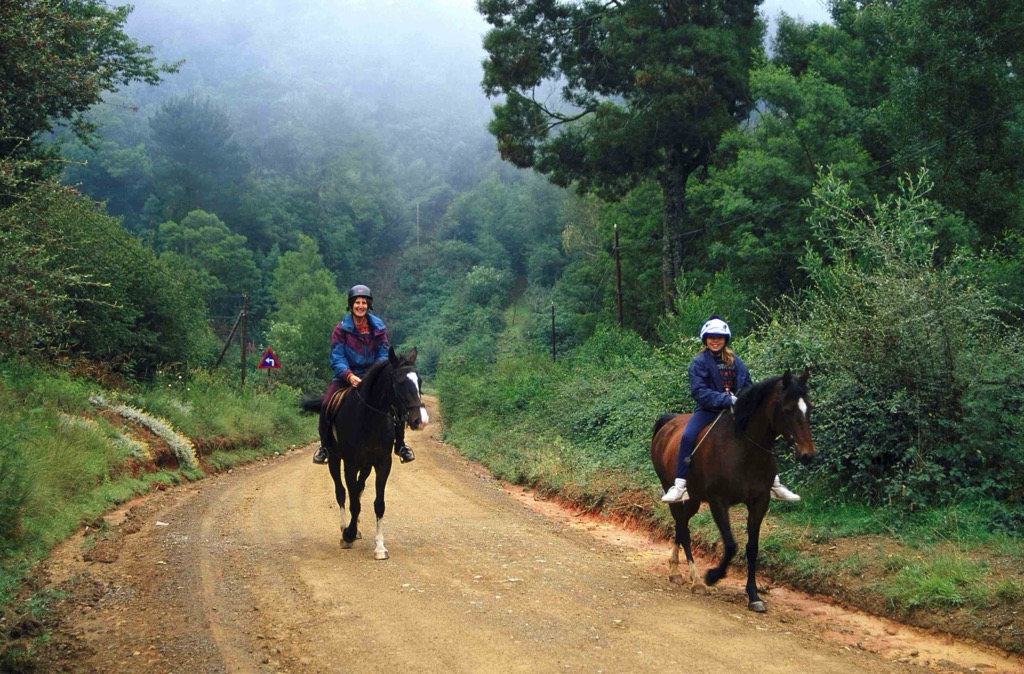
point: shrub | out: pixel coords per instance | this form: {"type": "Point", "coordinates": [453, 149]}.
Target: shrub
{"type": "Point", "coordinates": [85, 286]}
{"type": "Point", "coordinates": [914, 372]}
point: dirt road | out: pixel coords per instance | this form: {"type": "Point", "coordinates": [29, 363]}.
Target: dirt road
{"type": "Point", "coordinates": [243, 573]}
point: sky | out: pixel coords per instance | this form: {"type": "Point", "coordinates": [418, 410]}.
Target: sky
{"type": "Point", "coordinates": [809, 10]}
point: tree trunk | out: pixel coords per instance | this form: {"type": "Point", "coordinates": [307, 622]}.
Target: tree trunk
{"type": "Point", "coordinates": [673, 189]}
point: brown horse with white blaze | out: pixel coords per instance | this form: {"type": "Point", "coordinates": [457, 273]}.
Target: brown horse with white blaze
{"type": "Point", "coordinates": [734, 463]}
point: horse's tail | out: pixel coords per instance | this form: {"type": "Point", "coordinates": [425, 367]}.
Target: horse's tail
{"type": "Point", "coordinates": [662, 420]}
{"type": "Point", "coordinates": [312, 403]}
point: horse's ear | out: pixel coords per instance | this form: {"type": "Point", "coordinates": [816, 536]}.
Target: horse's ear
{"type": "Point", "coordinates": [391, 355]}
{"type": "Point", "coordinates": [411, 356]}
{"type": "Point", "coordinates": [787, 378]}
{"type": "Point", "coordinates": [804, 376]}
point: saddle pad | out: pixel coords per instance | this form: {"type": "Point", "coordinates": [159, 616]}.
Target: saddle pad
{"type": "Point", "coordinates": [331, 408]}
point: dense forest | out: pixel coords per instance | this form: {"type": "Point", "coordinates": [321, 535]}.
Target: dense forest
{"type": "Point", "coordinates": [849, 195]}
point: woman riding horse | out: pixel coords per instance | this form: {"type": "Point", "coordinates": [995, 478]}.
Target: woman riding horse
{"type": "Point", "coordinates": [358, 341]}
{"type": "Point", "coordinates": [716, 375]}
{"type": "Point", "coordinates": [361, 435]}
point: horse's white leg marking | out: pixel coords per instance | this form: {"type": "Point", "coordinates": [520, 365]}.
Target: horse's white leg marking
{"type": "Point", "coordinates": [379, 551]}
{"type": "Point", "coordinates": [673, 566]}
{"type": "Point", "coordinates": [344, 519]}
{"type": "Point", "coordinates": [803, 406]}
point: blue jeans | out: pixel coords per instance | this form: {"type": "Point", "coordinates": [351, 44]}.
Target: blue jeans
{"type": "Point", "coordinates": [697, 422]}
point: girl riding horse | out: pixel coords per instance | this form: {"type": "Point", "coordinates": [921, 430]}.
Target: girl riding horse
{"type": "Point", "coordinates": [716, 375]}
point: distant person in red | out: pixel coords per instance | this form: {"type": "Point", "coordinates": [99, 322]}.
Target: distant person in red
{"type": "Point", "coordinates": [359, 341]}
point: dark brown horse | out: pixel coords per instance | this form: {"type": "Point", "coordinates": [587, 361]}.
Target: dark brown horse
{"type": "Point", "coordinates": [734, 463]}
{"type": "Point", "coordinates": [363, 420]}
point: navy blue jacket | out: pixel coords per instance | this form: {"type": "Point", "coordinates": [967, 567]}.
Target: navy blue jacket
{"type": "Point", "coordinates": [706, 383]}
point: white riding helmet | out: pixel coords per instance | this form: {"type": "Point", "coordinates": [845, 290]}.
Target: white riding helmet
{"type": "Point", "coordinates": [715, 326]}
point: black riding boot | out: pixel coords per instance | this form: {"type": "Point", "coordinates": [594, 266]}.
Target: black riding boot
{"type": "Point", "coordinates": [403, 451]}
{"type": "Point", "coordinates": [321, 451]}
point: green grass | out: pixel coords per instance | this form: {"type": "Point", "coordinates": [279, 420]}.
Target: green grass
{"type": "Point", "coordinates": [61, 464]}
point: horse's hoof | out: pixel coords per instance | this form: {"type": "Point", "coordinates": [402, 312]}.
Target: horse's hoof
{"type": "Point", "coordinates": [346, 545]}
{"type": "Point", "coordinates": [757, 606]}
{"type": "Point", "coordinates": [676, 579]}
{"type": "Point", "coordinates": [381, 554]}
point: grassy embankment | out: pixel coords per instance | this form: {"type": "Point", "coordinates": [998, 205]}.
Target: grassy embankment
{"type": "Point", "coordinates": [581, 430]}
{"type": "Point", "coordinates": [70, 449]}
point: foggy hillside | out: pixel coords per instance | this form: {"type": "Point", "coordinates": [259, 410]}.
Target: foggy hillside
{"type": "Point", "coordinates": [409, 70]}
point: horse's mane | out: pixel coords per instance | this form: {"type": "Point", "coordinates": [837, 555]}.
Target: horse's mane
{"type": "Point", "coordinates": [374, 372]}
{"type": "Point", "coordinates": [749, 401]}
{"type": "Point", "coordinates": [371, 375]}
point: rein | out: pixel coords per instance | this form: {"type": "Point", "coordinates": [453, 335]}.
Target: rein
{"type": "Point", "coordinates": [778, 435]}
{"type": "Point", "coordinates": [710, 428]}
{"type": "Point", "coordinates": [767, 449]}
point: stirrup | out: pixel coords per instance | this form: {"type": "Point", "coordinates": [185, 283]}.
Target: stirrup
{"type": "Point", "coordinates": [321, 455]}
{"type": "Point", "coordinates": [405, 454]}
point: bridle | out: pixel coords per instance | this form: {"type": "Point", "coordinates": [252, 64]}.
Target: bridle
{"type": "Point", "coordinates": [787, 436]}
{"type": "Point", "coordinates": [397, 410]}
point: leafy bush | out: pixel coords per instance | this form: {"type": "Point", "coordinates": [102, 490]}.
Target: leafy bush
{"type": "Point", "coordinates": [915, 384]}
{"type": "Point", "coordinates": [85, 286]}
{"type": "Point", "coordinates": [35, 306]}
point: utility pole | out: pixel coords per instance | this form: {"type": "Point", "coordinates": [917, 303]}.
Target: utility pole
{"type": "Point", "coordinates": [227, 342]}
{"type": "Point", "coordinates": [618, 276]}
{"type": "Point", "coordinates": [552, 331]}
{"type": "Point", "coordinates": [245, 344]}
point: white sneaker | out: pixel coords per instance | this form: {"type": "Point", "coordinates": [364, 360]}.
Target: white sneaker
{"type": "Point", "coordinates": [781, 493]}
{"type": "Point", "coordinates": [677, 493]}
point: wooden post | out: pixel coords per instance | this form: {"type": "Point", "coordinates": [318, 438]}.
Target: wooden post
{"type": "Point", "coordinates": [618, 277]}
{"type": "Point", "coordinates": [227, 342]}
{"type": "Point", "coordinates": [552, 331]}
{"type": "Point", "coordinates": [245, 314]}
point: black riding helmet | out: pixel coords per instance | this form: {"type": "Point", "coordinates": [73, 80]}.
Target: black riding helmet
{"type": "Point", "coordinates": [359, 291]}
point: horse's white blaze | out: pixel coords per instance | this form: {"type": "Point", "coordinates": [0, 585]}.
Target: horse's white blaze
{"type": "Point", "coordinates": [803, 406]}
{"type": "Point", "coordinates": [424, 417]}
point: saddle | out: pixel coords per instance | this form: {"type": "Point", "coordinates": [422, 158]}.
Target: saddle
{"type": "Point", "coordinates": [331, 408]}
